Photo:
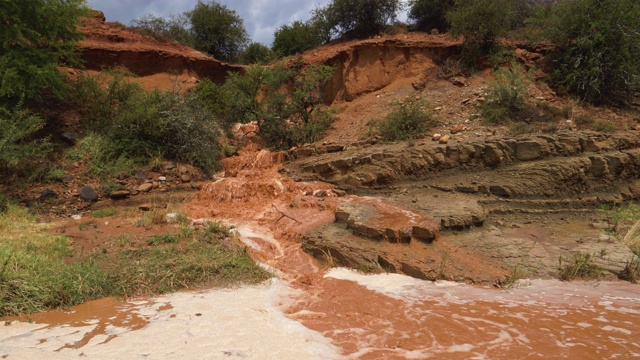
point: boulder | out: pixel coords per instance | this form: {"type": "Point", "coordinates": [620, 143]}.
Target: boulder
{"type": "Point", "coordinates": [87, 193]}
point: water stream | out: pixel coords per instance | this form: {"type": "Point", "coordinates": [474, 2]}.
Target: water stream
{"type": "Point", "coordinates": [308, 312]}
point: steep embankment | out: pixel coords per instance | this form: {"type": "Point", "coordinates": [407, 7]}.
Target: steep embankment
{"type": "Point", "coordinates": [154, 63]}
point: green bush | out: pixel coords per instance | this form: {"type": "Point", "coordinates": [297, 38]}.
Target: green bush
{"type": "Point", "coordinates": [356, 18]}
{"type": "Point", "coordinates": [257, 53]}
{"type": "Point", "coordinates": [36, 37]}
{"type": "Point", "coordinates": [506, 95]}
{"type": "Point", "coordinates": [296, 38]}
{"type": "Point", "coordinates": [136, 126]}
{"type": "Point", "coordinates": [430, 14]}
{"type": "Point", "coordinates": [408, 119]}
{"type": "Point", "coordinates": [482, 22]}
{"type": "Point", "coordinates": [17, 128]}
{"type": "Point", "coordinates": [580, 265]}
{"type": "Point", "coordinates": [597, 43]}
{"type": "Point", "coordinates": [286, 103]}
{"type": "Point", "coordinates": [176, 28]}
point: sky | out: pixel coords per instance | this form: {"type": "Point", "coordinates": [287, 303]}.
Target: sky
{"type": "Point", "coordinates": [261, 17]}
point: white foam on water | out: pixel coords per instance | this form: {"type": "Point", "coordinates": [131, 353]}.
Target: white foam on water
{"type": "Point", "coordinates": [242, 322]}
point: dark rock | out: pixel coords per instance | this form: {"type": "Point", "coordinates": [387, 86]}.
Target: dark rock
{"type": "Point", "coordinates": [491, 155]}
{"type": "Point", "coordinates": [67, 179]}
{"type": "Point", "coordinates": [87, 193]}
{"type": "Point", "coordinates": [48, 194]}
{"type": "Point", "coordinates": [69, 138]}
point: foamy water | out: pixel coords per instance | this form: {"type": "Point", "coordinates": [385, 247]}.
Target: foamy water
{"type": "Point", "coordinates": [218, 324]}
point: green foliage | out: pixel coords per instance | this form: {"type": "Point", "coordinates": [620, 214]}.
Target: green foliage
{"type": "Point", "coordinates": [580, 265]}
{"type": "Point", "coordinates": [136, 126]}
{"type": "Point", "coordinates": [39, 271]}
{"type": "Point", "coordinates": [506, 95]}
{"type": "Point", "coordinates": [176, 28]}
{"type": "Point", "coordinates": [597, 43]}
{"type": "Point", "coordinates": [217, 30]}
{"type": "Point", "coordinates": [104, 213]}
{"type": "Point", "coordinates": [286, 104]}
{"type": "Point", "coordinates": [356, 18]}
{"type": "Point", "coordinates": [604, 126]}
{"type": "Point", "coordinates": [481, 22]}
{"type": "Point", "coordinates": [295, 38]}
{"type": "Point", "coordinates": [408, 119]}
{"type": "Point", "coordinates": [17, 127]}
{"type": "Point", "coordinates": [257, 53]}
{"type": "Point", "coordinates": [35, 37]}
{"type": "Point", "coordinates": [159, 239]}
{"type": "Point", "coordinates": [430, 14]}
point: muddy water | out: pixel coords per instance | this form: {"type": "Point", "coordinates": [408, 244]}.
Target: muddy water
{"type": "Point", "coordinates": [311, 313]}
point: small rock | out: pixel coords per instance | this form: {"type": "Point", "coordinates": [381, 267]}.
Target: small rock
{"type": "Point", "coordinates": [199, 222]}
{"type": "Point", "coordinates": [48, 194]}
{"type": "Point", "coordinates": [67, 179]}
{"type": "Point", "coordinates": [466, 100]}
{"type": "Point", "coordinates": [436, 137]}
{"type": "Point", "coordinates": [87, 193]}
{"type": "Point", "coordinates": [146, 187]}
{"type": "Point", "coordinates": [170, 166]}
{"type": "Point", "coordinates": [444, 139]}
{"type": "Point", "coordinates": [438, 108]}
{"type": "Point", "coordinates": [145, 207]}
{"type": "Point", "coordinates": [185, 178]}
{"type": "Point", "coordinates": [482, 99]}
{"type": "Point", "coordinates": [122, 182]}
{"type": "Point", "coordinates": [457, 128]}
{"type": "Point", "coordinates": [162, 178]}
{"type": "Point", "coordinates": [339, 193]}
{"type": "Point", "coordinates": [119, 194]}
{"type": "Point", "coordinates": [69, 138]}
{"type": "Point", "coordinates": [76, 217]}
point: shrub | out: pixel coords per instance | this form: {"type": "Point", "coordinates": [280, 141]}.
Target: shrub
{"type": "Point", "coordinates": [597, 43]}
{"type": "Point", "coordinates": [33, 45]}
{"type": "Point", "coordinates": [408, 119]}
{"type": "Point", "coordinates": [430, 14]}
{"type": "Point", "coordinates": [176, 28]}
{"type": "Point", "coordinates": [286, 104]}
{"type": "Point", "coordinates": [580, 265]}
{"type": "Point", "coordinates": [357, 18]}
{"type": "Point", "coordinates": [136, 126]}
{"type": "Point", "coordinates": [296, 38]}
{"type": "Point", "coordinates": [506, 95]}
{"type": "Point", "coordinates": [481, 23]}
{"type": "Point", "coordinates": [256, 53]}
{"type": "Point", "coordinates": [17, 128]}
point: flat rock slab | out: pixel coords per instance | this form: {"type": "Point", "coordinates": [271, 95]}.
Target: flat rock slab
{"type": "Point", "coordinates": [374, 219]}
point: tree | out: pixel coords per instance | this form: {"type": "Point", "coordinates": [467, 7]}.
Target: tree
{"type": "Point", "coordinates": [430, 14]}
{"type": "Point", "coordinates": [358, 18]}
{"type": "Point", "coordinates": [597, 48]}
{"type": "Point", "coordinates": [482, 22]}
{"type": "Point", "coordinates": [173, 29]}
{"type": "Point", "coordinates": [218, 30]}
{"type": "Point", "coordinates": [296, 38]}
{"type": "Point", "coordinates": [257, 53]}
{"type": "Point", "coordinates": [36, 36]}
{"type": "Point", "coordinates": [286, 103]}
